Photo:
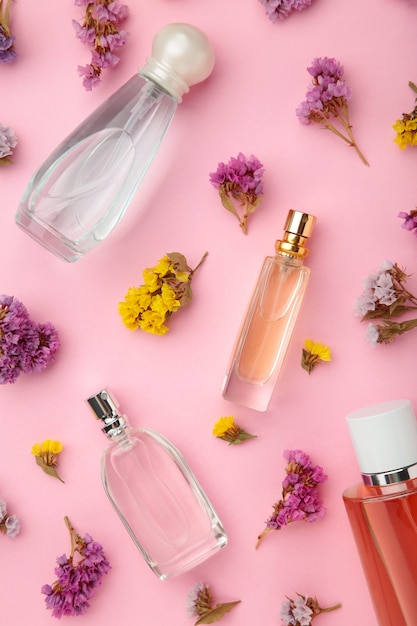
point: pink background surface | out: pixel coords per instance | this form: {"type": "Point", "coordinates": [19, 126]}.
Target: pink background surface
{"type": "Point", "coordinates": [172, 384]}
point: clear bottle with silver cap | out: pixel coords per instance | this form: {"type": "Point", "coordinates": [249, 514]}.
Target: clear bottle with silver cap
{"type": "Point", "coordinates": [78, 195]}
{"type": "Point", "coordinates": [155, 493]}
{"type": "Point", "coordinates": [382, 509]}
{"type": "Point", "coordinates": [269, 321]}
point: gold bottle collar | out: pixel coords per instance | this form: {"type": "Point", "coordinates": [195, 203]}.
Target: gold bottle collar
{"type": "Point", "coordinates": [297, 230]}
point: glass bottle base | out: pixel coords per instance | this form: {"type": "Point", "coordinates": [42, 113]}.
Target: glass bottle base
{"type": "Point", "coordinates": [253, 396]}
{"type": "Point", "coordinates": [53, 242]}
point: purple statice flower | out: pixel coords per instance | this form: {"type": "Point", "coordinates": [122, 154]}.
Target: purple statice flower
{"type": "Point", "coordinates": [7, 51]}
{"type": "Point", "coordinates": [283, 8]}
{"type": "Point", "coordinates": [9, 524]}
{"type": "Point", "coordinates": [385, 297]}
{"type": "Point", "coordinates": [300, 498]}
{"type": "Point", "coordinates": [195, 595]}
{"type": "Point", "coordinates": [8, 142]}
{"type": "Point", "coordinates": [77, 576]}
{"type": "Point", "coordinates": [372, 334]}
{"type": "Point", "coordinates": [326, 100]}
{"type": "Point", "coordinates": [24, 346]}
{"type": "Point", "coordinates": [302, 610]}
{"type": "Point", "coordinates": [380, 290]}
{"type": "Point", "coordinates": [100, 31]}
{"type": "Point", "coordinates": [199, 603]}
{"type": "Point", "coordinates": [410, 221]}
{"type": "Point", "coordinates": [240, 181]}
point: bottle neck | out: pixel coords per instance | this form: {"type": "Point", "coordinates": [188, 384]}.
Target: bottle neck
{"type": "Point", "coordinates": [390, 478]}
{"type": "Point", "coordinates": [115, 426]}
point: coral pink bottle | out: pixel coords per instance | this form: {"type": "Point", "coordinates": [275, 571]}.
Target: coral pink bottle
{"type": "Point", "coordinates": [383, 509]}
{"type": "Point", "coordinates": [267, 327]}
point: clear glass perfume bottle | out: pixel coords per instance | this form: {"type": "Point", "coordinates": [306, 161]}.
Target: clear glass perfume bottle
{"type": "Point", "coordinates": [156, 495]}
{"type": "Point", "coordinates": [76, 198]}
{"type": "Point", "coordinates": [269, 321]}
{"type": "Point", "coordinates": [382, 510]}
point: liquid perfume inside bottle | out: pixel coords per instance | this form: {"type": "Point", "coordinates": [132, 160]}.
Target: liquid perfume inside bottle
{"type": "Point", "coordinates": [79, 194]}
{"type": "Point", "coordinates": [269, 321]}
{"type": "Point", "coordinates": [382, 509]}
{"type": "Point", "coordinates": [156, 495]}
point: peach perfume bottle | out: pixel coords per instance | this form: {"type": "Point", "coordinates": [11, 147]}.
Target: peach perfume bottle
{"type": "Point", "coordinates": [382, 510]}
{"type": "Point", "coordinates": [155, 493]}
{"type": "Point", "coordinates": [269, 321]}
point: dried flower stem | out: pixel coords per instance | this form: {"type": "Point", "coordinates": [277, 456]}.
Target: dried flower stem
{"type": "Point", "coordinates": [344, 121]}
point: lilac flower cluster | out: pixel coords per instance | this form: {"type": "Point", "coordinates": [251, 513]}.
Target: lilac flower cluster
{"type": "Point", "coordinates": [71, 593]}
{"type": "Point", "coordinates": [296, 612]}
{"type": "Point", "coordinates": [327, 93]}
{"type": "Point", "coordinates": [9, 524]}
{"type": "Point", "coordinates": [240, 179]}
{"type": "Point", "coordinates": [282, 8]}
{"type": "Point", "coordinates": [302, 610]}
{"type": "Point", "coordinates": [300, 499]}
{"type": "Point", "coordinates": [8, 142]}
{"type": "Point", "coordinates": [410, 221]}
{"type": "Point", "coordinates": [384, 296]}
{"type": "Point", "coordinates": [7, 51]}
{"type": "Point", "coordinates": [100, 30]}
{"type": "Point", "coordinates": [24, 345]}
{"type": "Point", "coordinates": [379, 291]}
{"type": "Point", "coordinates": [326, 101]}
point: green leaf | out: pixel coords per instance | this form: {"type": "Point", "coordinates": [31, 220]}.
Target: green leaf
{"type": "Point", "coordinates": [217, 613]}
{"type": "Point", "coordinates": [48, 469]}
{"type": "Point", "coordinates": [228, 204]}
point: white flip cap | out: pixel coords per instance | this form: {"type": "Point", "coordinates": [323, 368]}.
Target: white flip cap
{"type": "Point", "coordinates": [384, 436]}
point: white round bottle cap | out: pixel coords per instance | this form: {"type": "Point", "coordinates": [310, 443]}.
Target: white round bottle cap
{"type": "Point", "coordinates": [181, 57]}
{"type": "Point", "coordinates": [384, 436]}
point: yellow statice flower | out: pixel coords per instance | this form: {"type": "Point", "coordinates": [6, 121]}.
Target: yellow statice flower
{"type": "Point", "coordinates": [46, 455]}
{"type": "Point", "coordinates": [406, 127]}
{"type": "Point", "coordinates": [222, 425]}
{"type": "Point", "coordinates": [153, 322]}
{"type": "Point", "coordinates": [166, 289]}
{"type": "Point", "coordinates": [226, 429]}
{"type": "Point", "coordinates": [164, 266]}
{"type": "Point", "coordinates": [406, 130]}
{"type": "Point", "coordinates": [152, 279]}
{"type": "Point", "coordinates": [169, 296]}
{"type": "Point", "coordinates": [313, 353]}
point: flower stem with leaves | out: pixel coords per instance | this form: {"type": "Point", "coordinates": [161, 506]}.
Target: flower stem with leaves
{"type": "Point", "coordinates": [166, 289]}
{"type": "Point", "coordinates": [199, 603]}
{"type": "Point", "coordinates": [77, 576]}
{"type": "Point", "coordinates": [240, 186]}
{"type": "Point", "coordinates": [385, 297]}
{"type": "Point", "coordinates": [225, 428]}
{"type": "Point", "coordinates": [326, 101]}
{"type": "Point", "coordinates": [300, 498]}
{"type": "Point", "coordinates": [303, 610]}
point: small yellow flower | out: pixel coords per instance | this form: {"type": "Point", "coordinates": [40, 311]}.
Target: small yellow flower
{"type": "Point", "coordinates": [226, 429]}
{"type": "Point", "coordinates": [313, 353]}
{"type": "Point", "coordinates": [151, 279]}
{"type": "Point", "coordinates": [164, 266]}
{"type": "Point", "coordinates": [169, 297]}
{"type": "Point", "coordinates": [153, 322]}
{"type": "Point", "coordinates": [222, 425]}
{"type": "Point", "coordinates": [406, 130]}
{"type": "Point", "coordinates": [46, 455]}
